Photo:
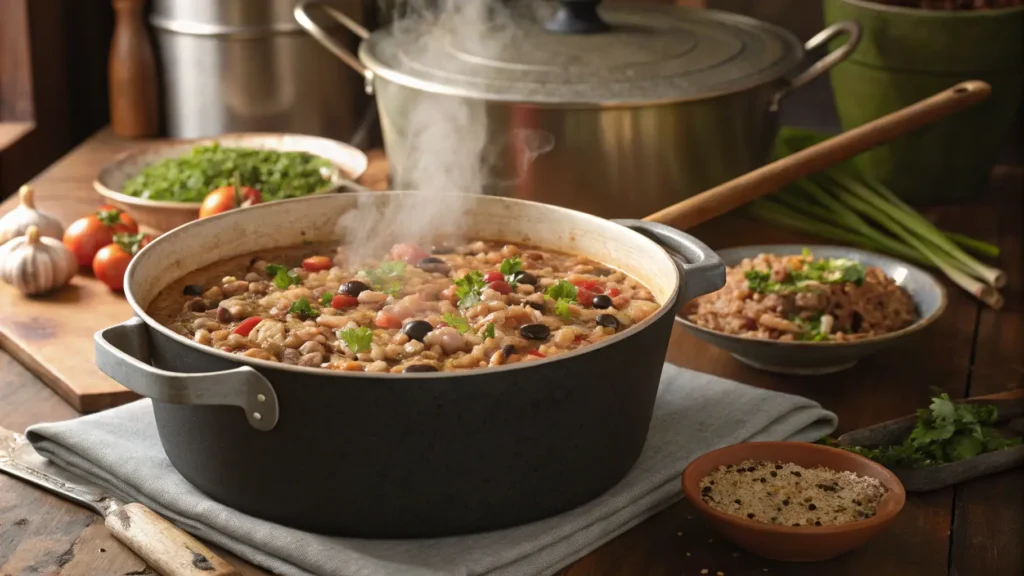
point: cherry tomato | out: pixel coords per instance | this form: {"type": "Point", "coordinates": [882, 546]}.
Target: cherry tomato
{"type": "Point", "coordinates": [584, 297]}
{"type": "Point", "coordinates": [408, 253]}
{"type": "Point", "coordinates": [343, 301]}
{"type": "Point", "coordinates": [385, 320]}
{"type": "Point", "coordinates": [228, 198]}
{"type": "Point", "coordinates": [112, 260]}
{"type": "Point", "coordinates": [493, 276]}
{"type": "Point", "coordinates": [590, 285]}
{"type": "Point", "coordinates": [500, 286]}
{"type": "Point", "coordinates": [317, 263]}
{"type": "Point", "coordinates": [247, 325]}
{"type": "Point", "coordinates": [85, 237]}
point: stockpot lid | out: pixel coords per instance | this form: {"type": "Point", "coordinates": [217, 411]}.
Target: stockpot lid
{"type": "Point", "coordinates": [577, 52]}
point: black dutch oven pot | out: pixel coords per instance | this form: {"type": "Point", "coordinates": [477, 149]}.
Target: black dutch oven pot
{"type": "Point", "coordinates": [404, 455]}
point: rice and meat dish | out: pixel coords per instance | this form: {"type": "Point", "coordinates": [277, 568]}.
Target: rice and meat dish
{"type": "Point", "coordinates": [455, 307]}
{"type": "Point", "coordinates": [800, 298]}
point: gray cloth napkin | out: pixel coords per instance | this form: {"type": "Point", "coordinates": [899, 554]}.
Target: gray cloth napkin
{"type": "Point", "coordinates": [695, 413]}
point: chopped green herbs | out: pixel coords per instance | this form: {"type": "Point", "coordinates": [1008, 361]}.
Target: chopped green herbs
{"type": "Point", "coordinates": [190, 178]}
{"type": "Point", "coordinates": [761, 281]}
{"type": "Point", "coordinates": [458, 322]}
{"type": "Point", "coordinates": [469, 287]}
{"type": "Point", "coordinates": [387, 277]}
{"type": "Point", "coordinates": [302, 307]}
{"type": "Point", "coordinates": [512, 270]}
{"type": "Point", "coordinates": [823, 271]}
{"type": "Point", "coordinates": [357, 339]}
{"type": "Point", "coordinates": [563, 293]}
{"type": "Point", "coordinates": [325, 300]}
{"type": "Point", "coordinates": [282, 277]}
{"type": "Point", "coordinates": [945, 432]}
{"type": "Point", "coordinates": [488, 331]}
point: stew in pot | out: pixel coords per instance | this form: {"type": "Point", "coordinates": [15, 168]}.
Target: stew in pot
{"type": "Point", "coordinates": [453, 308]}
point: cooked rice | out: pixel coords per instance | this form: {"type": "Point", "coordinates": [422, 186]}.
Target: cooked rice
{"type": "Point", "coordinates": [809, 311]}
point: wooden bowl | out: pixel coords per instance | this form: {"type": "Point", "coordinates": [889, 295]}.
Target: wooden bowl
{"type": "Point", "coordinates": [795, 543]}
{"type": "Point", "coordinates": [159, 216]}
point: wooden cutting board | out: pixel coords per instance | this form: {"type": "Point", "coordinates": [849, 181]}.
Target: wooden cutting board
{"type": "Point", "coordinates": [52, 335]}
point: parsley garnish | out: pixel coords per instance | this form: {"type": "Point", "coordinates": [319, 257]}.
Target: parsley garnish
{"type": "Point", "coordinates": [761, 281]}
{"type": "Point", "coordinates": [945, 432]}
{"type": "Point", "coordinates": [824, 271]}
{"type": "Point", "coordinates": [325, 300]}
{"type": "Point", "coordinates": [457, 322]}
{"type": "Point", "coordinates": [811, 329]}
{"type": "Point", "coordinates": [301, 307]}
{"type": "Point", "coordinates": [357, 339]}
{"type": "Point", "coordinates": [283, 277]}
{"type": "Point", "coordinates": [469, 288]}
{"type": "Point", "coordinates": [512, 270]}
{"type": "Point", "coordinates": [386, 278]}
{"type": "Point", "coordinates": [489, 331]}
{"type": "Point", "coordinates": [563, 293]}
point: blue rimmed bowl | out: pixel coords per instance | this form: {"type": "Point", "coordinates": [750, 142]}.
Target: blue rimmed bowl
{"type": "Point", "coordinates": [815, 358]}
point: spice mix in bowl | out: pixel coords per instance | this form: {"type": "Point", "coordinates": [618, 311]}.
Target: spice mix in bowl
{"type": "Point", "coordinates": [793, 501]}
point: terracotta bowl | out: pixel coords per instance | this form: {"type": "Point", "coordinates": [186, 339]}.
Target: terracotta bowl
{"type": "Point", "coordinates": [795, 543]}
{"type": "Point", "coordinates": [160, 216]}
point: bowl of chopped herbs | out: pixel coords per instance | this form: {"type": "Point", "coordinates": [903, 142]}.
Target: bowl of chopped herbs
{"type": "Point", "coordinates": [163, 184]}
{"type": "Point", "coordinates": [946, 443]}
{"type": "Point", "coordinates": [809, 310]}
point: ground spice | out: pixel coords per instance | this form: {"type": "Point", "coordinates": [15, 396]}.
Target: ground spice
{"type": "Point", "coordinates": [753, 490]}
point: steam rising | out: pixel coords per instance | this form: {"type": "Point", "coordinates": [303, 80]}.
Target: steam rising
{"type": "Point", "coordinates": [445, 139]}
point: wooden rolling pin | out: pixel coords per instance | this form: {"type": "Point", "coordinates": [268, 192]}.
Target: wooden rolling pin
{"type": "Point", "coordinates": [771, 177]}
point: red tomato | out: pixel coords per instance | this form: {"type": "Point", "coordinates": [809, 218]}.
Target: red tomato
{"type": "Point", "coordinates": [118, 221]}
{"type": "Point", "coordinates": [408, 253]}
{"type": "Point", "coordinates": [537, 354]}
{"type": "Point", "coordinates": [247, 325]}
{"type": "Point", "coordinates": [584, 297]}
{"type": "Point", "coordinates": [501, 287]}
{"type": "Point", "coordinates": [112, 260]}
{"type": "Point", "coordinates": [343, 301]}
{"type": "Point", "coordinates": [228, 198]}
{"type": "Point", "coordinates": [317, 263]}
{"type": "Point", "coordinates": [85, 237]}
{"type": "Point", "coordinates": [493, 276]}
{"type": "Point", "coordinates": [590, 285]}
{"type": "Point", "coordinates": [385, 320]}
{"type": "Point", "coordinates": [613, 292]}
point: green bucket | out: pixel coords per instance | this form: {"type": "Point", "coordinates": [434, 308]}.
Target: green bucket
{"type": "Point", "coordinates": [908, 54]}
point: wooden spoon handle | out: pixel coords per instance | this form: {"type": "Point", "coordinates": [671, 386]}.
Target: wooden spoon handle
{"type": "Point", "coordinates": [168, 549]}
{"type": "Point", "coordinates": [771, 177]}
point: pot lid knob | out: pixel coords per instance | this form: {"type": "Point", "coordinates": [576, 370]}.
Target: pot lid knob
{"type": "Point", "coordinates": [577, 17]}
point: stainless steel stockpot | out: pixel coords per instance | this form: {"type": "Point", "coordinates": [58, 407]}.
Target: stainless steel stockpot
{"type": "Point", "coordinates": [617, 112]}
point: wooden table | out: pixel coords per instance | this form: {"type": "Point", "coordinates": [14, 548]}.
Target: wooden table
{"type": "Point", "coordinates": [975, 528]}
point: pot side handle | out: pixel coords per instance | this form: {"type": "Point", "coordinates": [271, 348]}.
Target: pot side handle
{"type": "Point", "coordinates": [701, 271]}
{"type": "Point", "coordinates": [122, 352]}
{"type": "Point", "coordinates": [301, 14]}
{"type": "Point", "coordinates": [848, 27]}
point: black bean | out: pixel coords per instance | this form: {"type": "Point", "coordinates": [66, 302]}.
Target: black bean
{"type": "Point", "coordinates": [508, 350]}
{"type": "Point", "coordinates": [420, 368]}
{"type": "Point", "coordinates": [193, 290]}
{"type": "Point", "coordinates": [785, 502]}
{"type": "Point", "coordinates": [778, 466]}
{"type": "Point", "coordinates": [774, 473]}
{"type": "Point", "coordinates": [817, 523]}
{"type": "Point", "coordinates": [797, 474]}
{"type": "Point", "coordinates": [608, 321]}
{"type": "Point", "coordinates": [432, 264]}
{"type": "Point", "coordinates": [738, 501]}
{"type": "Point", "coordinates": [750, 515]}
{"type": "Point", "coordinates": [538, 306]}
{"type": "Point", "coordinates": [534, 331]}
{"type": "Point", "coordinates": [527, 278]}
{"type": "Point", "coordinates": [602, 301]}
{"type": "Point", "coordinates": [417, 329]}
{"type": "Point", "coordinates": [812, 507]}
{"type": "Point", "coordinates": [353, 288]}
{"type": "Point", "coordinates": [705, 490]}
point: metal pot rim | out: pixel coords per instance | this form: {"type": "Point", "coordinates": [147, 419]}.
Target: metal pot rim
{"type": "Point", "coordinates": [666, 307]}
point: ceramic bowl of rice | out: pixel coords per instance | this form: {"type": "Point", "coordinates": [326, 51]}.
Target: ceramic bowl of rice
{"type": "Point", "coordinates": [806, 309]}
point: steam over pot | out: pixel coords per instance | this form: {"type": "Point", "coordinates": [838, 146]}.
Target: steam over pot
{"type": "Point", "coordinates": [618, 111]}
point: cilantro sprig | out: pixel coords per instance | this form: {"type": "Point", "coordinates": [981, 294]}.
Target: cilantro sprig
{"type": "Point", "coordinates": [512, 270]}
{"type": "Point", "coordinates": [302, 307]}
{"type": "Point", "coordinates": [387, 277]}
{"type": "Point", "coordinates": [945, 432]}
{"type": "Point", "coordinates": [824, 271]}
{"type": "Point", "coordinates": [325, 300]}
{"type": "Point", "coordinates": [488, 331]}
{"type": "Point", "coordinates": [357, 339]}
{"type": "Point", "coordinates": [563, 293]}
{"type": "Point", "coordinates": [469, 288]}
{"type": "Point", "coordinates": [283, 277]}
{"type": "Point", "coordinates": [456, 321]}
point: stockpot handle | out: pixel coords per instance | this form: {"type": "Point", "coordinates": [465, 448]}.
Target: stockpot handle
{"type": "Point", "coordinates": [122, 352]}
{"type": "Point", "coordinates": [848, 27]}
{"type": "Point", "coordinates": [301, 14]}
{"type": "Point", "coordinates": [701, 271]}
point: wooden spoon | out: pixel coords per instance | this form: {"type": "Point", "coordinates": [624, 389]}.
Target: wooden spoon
{"type": "Point", "coordinates": [771, 177]}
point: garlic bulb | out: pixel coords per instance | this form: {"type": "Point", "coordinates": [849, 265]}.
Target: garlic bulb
{"type": "Point", "coordinates": [34, 264]}
{"type": "Point", "coordinates": [17, 221]}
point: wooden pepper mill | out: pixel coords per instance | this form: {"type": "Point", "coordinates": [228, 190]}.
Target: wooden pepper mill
{"type": "Point", "coordinates": [132, 76]}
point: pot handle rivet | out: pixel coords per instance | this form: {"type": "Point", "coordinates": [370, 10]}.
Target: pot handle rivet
{"type": "Point", "coordinates": [848, 27]}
